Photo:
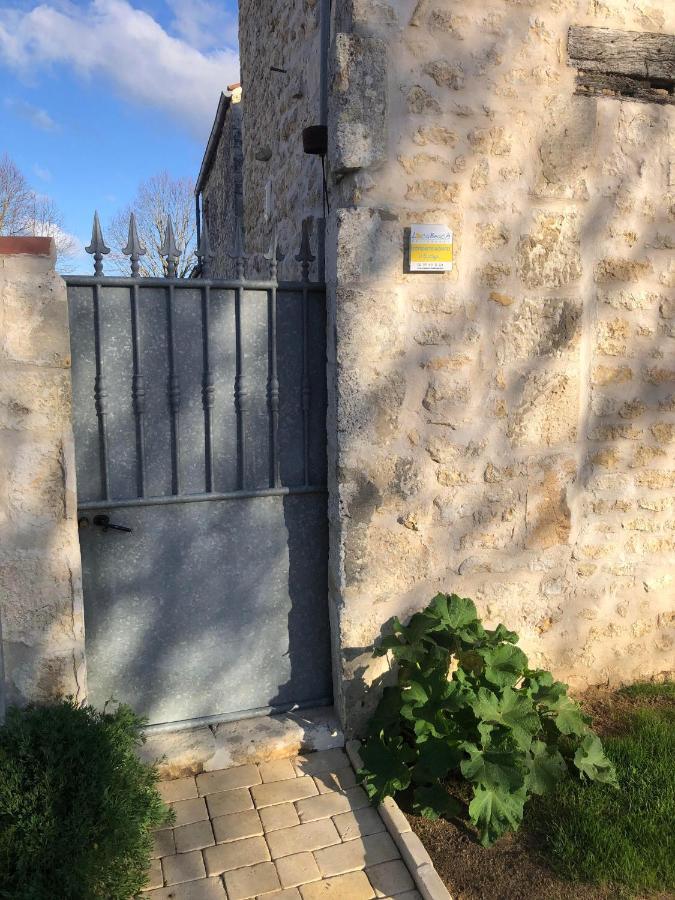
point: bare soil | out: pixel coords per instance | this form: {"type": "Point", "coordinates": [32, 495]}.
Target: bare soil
{"type": "Point", "coordinates": [513, 868]}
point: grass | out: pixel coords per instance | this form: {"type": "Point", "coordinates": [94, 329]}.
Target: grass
{"type": "Point", "coordinates": [598, 834]}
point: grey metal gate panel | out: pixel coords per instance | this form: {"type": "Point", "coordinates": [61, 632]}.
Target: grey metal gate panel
{"type": "Point", "coordinates": [215, 604]}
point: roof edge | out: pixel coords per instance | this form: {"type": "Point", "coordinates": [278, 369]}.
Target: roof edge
{"type": "Point", "coordinates": [212, 144]}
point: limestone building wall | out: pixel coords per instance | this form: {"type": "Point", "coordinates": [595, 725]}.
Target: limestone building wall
{"type": "Point", "coordinates": [41, 614]}
{"type": "Point", "coordinates": [222, 192]}
{"type": "Point", "coordinates": [281, 182]}
{"type": "Point", "coordinates": [504, 431]}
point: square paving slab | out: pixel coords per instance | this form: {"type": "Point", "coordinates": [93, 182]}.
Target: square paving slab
{"type": "Point", "coordinates": [290, 829]}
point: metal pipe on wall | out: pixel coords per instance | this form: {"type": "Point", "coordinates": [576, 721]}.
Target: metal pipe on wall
{"type": "Point", "coordinates": [324, 50]}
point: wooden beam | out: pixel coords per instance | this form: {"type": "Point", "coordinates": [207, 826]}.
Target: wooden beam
{"type": "Point", "coordinates": [621, 87]}
{"type": "Point", "coordinates": [628, 65]}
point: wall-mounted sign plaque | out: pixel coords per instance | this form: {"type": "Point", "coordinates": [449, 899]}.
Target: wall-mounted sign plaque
{"type": "Point", "coordinates": [430, 248]}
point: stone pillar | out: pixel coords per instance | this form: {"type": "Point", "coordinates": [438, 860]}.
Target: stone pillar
{"type": "Point", "coordinates": [41, 612]}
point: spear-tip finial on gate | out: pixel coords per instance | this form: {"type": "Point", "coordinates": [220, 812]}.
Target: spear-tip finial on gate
{"type": "Point", "coordinates": [305, 256]}
{"type": "Point", "coordinates": [204, 252]}
{"type": "Point", "coordinates": [134, 248]}
{"type": "Point", "coordinates": [169, 250]}
{"type": "Point", "coordinates": [97, 247]}
{"type": "Point", "coordinates": [238, 253]}
{"type": "Point", "coordinates": [274, 255]}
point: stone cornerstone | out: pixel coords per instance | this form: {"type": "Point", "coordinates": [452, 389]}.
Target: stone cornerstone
{"type": "Point", "coordinates": [504, 430]}
{"type": "Point", "coordinates": [41, 615]}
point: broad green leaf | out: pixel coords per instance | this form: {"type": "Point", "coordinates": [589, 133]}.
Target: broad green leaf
{"type": "Point", "coordinates": [568, 716]}
{"type": "Point", "coordinates": [414, 694]}
{"type": "Point", "coordinates": [494, 812]}
{"type": "Point", "coordinates": [386, 716]}
{"type": "Point", "coordinates": [461, 611]}
{"type": "Point", "coordinates": [504, 664]}
{"type": "Point", "coordinates": [514, 710]}
{"type": "Point", "coordinates": [385, 770]}
{"type": "Point", "coordinates": [492, 768]}
{"type": "Point", "coordinates": [546, 766]}
{"type": "Point", "coordinates": [433, 801]}
{"type": "Point", "coordinates": [502, 633]}
{"type": "Point", "coordinates": [591, 761]}
{"type": "Point", "coordinates": [437, 758]}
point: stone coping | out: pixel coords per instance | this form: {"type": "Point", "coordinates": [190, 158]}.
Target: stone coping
{"type": "Point", "coordinates": [27, 246]}
{"type": "Point", "coordinates": [411, 848]}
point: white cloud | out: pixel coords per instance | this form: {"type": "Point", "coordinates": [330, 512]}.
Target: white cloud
{"type": "Point", "coordinates": [42, 173]}
{"type": "Point", "coordinates": [126, 46]}
{"type": "Point", "coordinates": [40, 118]}
{"type": "Point", "coordinates": [204, 24]}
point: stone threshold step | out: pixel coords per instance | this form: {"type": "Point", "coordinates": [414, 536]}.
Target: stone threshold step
{"type": "Point", "coordinates": [208, 748]}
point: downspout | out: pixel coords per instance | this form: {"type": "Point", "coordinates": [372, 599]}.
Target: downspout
{"type": "Point", "coordinates": [324, 50]}
{"type": "Point", "coordinates": [198, 219]}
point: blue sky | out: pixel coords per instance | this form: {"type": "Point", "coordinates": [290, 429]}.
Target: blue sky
{"type": "Point", "coordinates": [97, 95]}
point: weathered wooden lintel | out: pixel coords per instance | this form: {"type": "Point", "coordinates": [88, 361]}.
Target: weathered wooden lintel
{"type": "Point", "coordinates": [626, 65]}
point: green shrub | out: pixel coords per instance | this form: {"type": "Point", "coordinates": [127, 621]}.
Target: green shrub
{"type": "Point", "coordinates": [509, 731]}
{"type": "Point", "coordinates": [77, 806]}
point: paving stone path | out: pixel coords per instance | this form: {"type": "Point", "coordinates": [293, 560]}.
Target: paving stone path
{"type": "Point", "coordinates": [289, 829]}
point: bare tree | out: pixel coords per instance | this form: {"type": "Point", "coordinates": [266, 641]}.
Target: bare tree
{"type": "Point", "coordinates": [25, 212]}
{"type": "Point", "coordinates": [157, 199]}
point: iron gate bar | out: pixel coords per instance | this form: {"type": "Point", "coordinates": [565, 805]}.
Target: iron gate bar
{"type": "Point", "coordinates": [240, 395]}
{"type": "Point", "coordinates": [100, 395]}
{"type": "Point", "coordinates": [305, 258]}
{"type": "Point", "coordinates": [273, 258]}
{"type": "Point", "coordinates": [188, 283]}
{"type": "Point", "coordinates": [208, 390]}
{"type": "Point", "coordinates": [174, 391]}
{"type": "Point", "coordinates": [205, 721]}
{"type": "Point", "coordinates": [203, 498]}
{"type": "Point", "coordinates": [138, 393]}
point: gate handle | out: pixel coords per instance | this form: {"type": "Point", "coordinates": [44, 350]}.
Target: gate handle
{"type": "Point", "coordinates": [105, 523]}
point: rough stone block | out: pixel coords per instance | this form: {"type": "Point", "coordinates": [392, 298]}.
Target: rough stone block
{"type": "Point", "coordinates": [549, 256]}
{"type": "Point", "coordinates": [547, 412]}
{"type": "Point", "coordinates": [357, 137]}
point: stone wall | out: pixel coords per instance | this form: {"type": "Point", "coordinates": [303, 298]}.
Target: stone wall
{"type": "Point", "coordinates": [277, 106]}
{"type": "Point", "coordinates": [222, 193]}
{"type": "Point", "coordinates": [505, 430]}
{"type": "Point", "coordinates": [41, 615]}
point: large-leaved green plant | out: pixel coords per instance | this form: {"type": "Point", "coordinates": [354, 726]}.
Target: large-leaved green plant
{"type": "Point", "coordinates": [467, 705]}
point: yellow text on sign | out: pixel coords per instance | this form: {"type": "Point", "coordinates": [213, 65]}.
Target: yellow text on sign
{"type": "Point", "coordinates": [441, 253]}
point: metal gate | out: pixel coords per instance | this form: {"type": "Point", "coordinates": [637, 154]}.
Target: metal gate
{"type": "Point", "coordinates": [199, 417]}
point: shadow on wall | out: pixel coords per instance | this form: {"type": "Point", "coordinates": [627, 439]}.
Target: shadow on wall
{"type": "Point", "coordinates": [484, 420]}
